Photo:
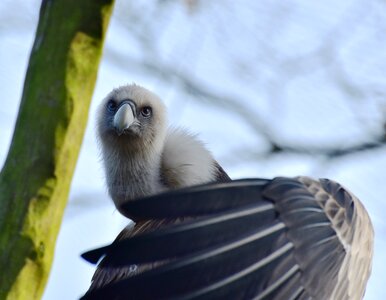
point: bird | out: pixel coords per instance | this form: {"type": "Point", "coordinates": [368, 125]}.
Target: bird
{"type": "Point", "coordinates": [142, 156]}
{"type": "Point", "coordinates": [200, 235]}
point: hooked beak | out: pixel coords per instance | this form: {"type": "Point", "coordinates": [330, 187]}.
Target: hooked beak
{"type": "Point", "coordinates": [123, 118]}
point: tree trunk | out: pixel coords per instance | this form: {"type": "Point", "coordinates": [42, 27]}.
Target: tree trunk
{"type": "Point", "coordinates": [36, 177]}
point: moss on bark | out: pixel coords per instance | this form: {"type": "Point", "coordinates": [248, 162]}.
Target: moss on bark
{"type": "Point", "coordinates": [35, 179]}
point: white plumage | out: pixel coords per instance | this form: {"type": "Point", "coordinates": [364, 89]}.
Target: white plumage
{"type": "Point", "coordinates": [185, 159]}
{"type": "Point", "coordinates": [140, 156]}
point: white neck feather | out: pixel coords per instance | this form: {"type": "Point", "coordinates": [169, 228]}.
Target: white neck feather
{"type": "Point", "coordinates": [130, 174]}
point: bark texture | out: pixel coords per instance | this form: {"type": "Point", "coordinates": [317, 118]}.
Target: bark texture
{"type": "Point", "coordinates": [35, 179]}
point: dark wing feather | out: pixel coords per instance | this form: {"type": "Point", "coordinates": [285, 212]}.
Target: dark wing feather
{"type": "Point", "coordinates": [146, 213]}
{"type": "Point", "coordinates": [249, 239]}
{"type": "Point", "coordinates": [220, 174]}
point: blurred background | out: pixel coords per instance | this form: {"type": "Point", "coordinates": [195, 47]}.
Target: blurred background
{"type": "Point", "coordinates": [274, 88]}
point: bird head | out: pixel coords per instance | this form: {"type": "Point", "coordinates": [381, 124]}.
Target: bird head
{"type": "Point", "coordinates": [133, 117]}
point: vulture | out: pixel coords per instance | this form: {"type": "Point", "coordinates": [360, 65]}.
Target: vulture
{"type": "Point", "coordinates": [200, 235]}
{"type": "Point", "coordinates": [141, 156]}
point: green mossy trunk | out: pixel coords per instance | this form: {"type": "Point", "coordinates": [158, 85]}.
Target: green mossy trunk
{"type": "Point", "coordinates": [35, 180]}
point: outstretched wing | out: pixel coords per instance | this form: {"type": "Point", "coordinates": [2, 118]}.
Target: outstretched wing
{"type": "Point", "coordinates": [247, 239]}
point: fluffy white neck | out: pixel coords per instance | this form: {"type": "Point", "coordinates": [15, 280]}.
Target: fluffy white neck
{"type": "Point", "coordinates": [131, 174]}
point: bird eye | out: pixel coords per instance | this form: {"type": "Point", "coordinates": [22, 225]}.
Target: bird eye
{"type": "Point", "coordinates": [146, 111]}
{"type": "Point", "coordinates": [111, 106]}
